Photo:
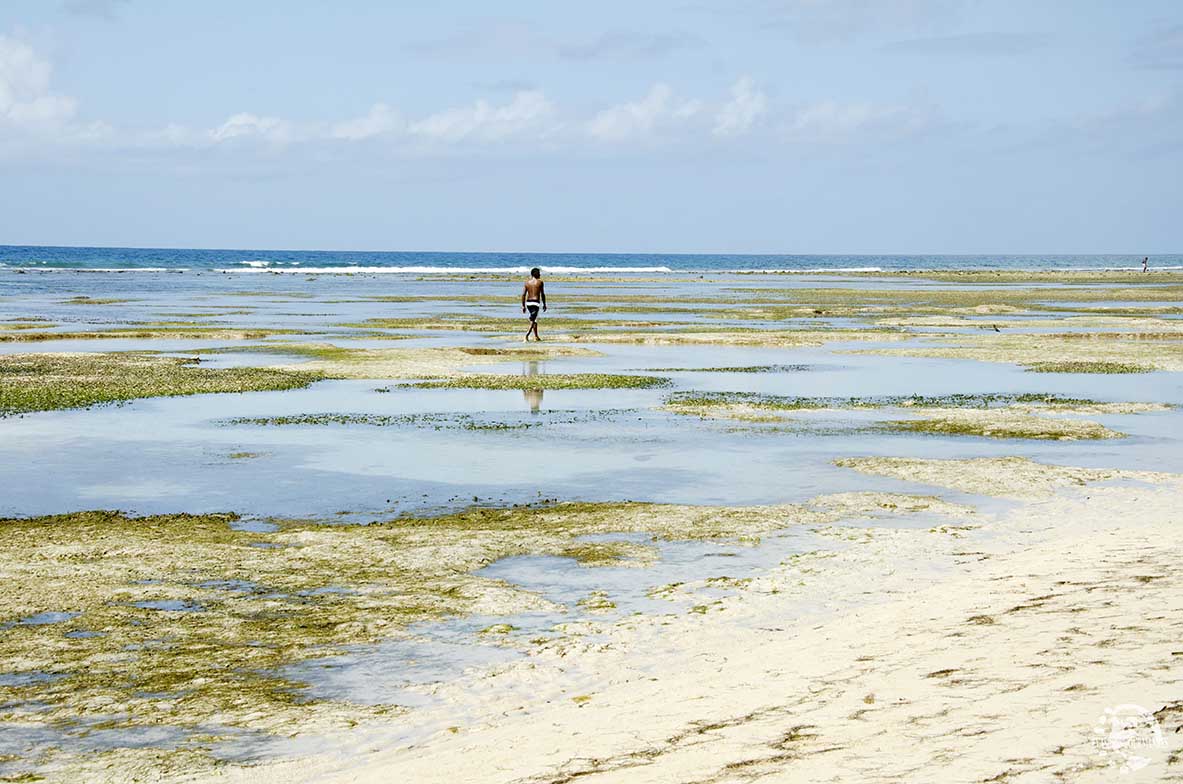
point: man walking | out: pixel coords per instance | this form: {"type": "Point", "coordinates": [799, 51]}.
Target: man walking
{"type": "Point", "coordinates": [533, 298]}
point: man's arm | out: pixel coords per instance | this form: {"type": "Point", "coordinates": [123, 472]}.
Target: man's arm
{"type": "Point", "coordinates": [542, 294]}
{"type": "Point", "coordinates": [524, 290]}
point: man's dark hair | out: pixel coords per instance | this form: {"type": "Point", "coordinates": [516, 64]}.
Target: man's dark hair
{"type": "Point", "coordinates": [536, 273]}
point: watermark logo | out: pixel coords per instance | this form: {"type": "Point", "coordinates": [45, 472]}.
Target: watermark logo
{"type": "Point", "coordinates": [1122, 735]}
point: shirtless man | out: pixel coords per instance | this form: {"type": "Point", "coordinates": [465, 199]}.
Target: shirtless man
{"type": "Point", "coordinates": [533, 298]}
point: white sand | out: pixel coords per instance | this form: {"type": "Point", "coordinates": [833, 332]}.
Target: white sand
{"type": "Point", "coordinates": [943, 655]}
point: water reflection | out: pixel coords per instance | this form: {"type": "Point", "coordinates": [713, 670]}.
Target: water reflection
{"type": "Point", "coordinates": [533, 397]}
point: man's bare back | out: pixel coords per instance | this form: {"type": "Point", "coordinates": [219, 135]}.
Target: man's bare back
{"type": "Point", "coordinates": [533, 299]}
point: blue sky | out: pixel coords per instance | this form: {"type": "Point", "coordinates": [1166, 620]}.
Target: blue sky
{"type": "Point", "coordinates": [780, 126]}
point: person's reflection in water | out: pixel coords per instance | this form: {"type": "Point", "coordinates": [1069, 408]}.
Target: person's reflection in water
{"type": "Point", "coordinates": [533, 397]}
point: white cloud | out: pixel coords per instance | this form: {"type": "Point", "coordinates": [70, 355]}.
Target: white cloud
{"type": "Point", "coordinates": [25, 97]}
{"type": "Point", "coordinates": [640, 118]}
{"type": "Point", "coordinates": [27, 102]}
{"type": "Point", "coordinates": [747, 105]}
{"type": "Point", "coordinates": [245, 124]}
{"type": "Point", "coordinates": [381, 119]}
{"type": "Point", "coordinates": [636, 118]}
{"type": "Point", "coordinates": [528, 114]}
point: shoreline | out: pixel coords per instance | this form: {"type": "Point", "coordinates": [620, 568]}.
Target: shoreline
{"type": "Point", "coordinates": [1015, 639]}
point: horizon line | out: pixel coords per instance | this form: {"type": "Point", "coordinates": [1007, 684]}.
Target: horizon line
{"type": "Point", "coordinates": [863, 254]}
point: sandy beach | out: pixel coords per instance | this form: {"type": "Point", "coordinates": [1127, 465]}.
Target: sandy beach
{"type": "Point", "coordinates": [910, 656]}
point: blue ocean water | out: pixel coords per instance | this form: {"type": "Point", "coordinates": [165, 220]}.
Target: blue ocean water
{"type": "Point", "coordinates": [320, 261]}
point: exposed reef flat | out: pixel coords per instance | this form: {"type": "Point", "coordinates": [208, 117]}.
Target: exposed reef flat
{"type": "Point", "coordinates": [547, 381]}
{"type": "Point", "coordinates": [1032, 416]}
{"type": "Point", "coordinates": [45, 382]}
{"type": "Point", "coordinates": [1086, 352]}
{"type": "Point", "coordinates": [1007, 477]}
{"type": "Point", "coordinates": [735, 337]}
{"type": "Point", "coordinates": [188, 620]}
{"type": "Point", "coordinates": [157, 332]}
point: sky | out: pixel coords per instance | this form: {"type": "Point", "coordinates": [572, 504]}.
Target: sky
{"type": "Point", "coordinates": [697, 126]}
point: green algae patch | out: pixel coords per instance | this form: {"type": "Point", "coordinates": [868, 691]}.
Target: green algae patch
{"type": "Point", "coordinates": [188, 621]}
{"type": "Point", "coordinates": [611, 553]}
{"type": "Point", "coordinates": [703, 403]}
{"type": "Point", "coordinates": [725, 582]}
{"type": "Point", "coordinates": [685, 402]}
{"type": "Point", "coordinates": [596, 602]}
{"type": "Point", "coordinates": [182, 323]}
{"type": "Point", "coordinates": [323, 352]}
{"type": "Point", "coordinates": [149, 333]}
{"type": "Point", "coordinates": [1087, 367]}
{"type": "Point", "coordinates": [1001, 423]}
{"type": "Point", "coordinates": [211, 311]}
{"type": "Point", "coordinates": [46, 382]}
{"type": "Point", "coordinates": [96, 301]}
{"type": "Point", "coordinates": [1023, 416]}
{"type": "Point", "coordinates": [499, 628]}
{"type": "Point", "coordinates": [547, 381]}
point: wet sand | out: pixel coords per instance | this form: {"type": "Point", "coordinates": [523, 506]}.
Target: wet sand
{"type": "Point", "coordinates": [917, 656]}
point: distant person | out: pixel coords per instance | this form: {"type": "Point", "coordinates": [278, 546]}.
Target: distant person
{"type": "Point", "coordinates": [1146, 264]}
{"type": "Point", "coordinates": [533, 298]}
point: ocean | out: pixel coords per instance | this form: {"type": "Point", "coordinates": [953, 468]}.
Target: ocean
{"type": "Point", "coordinates": [413, 262]}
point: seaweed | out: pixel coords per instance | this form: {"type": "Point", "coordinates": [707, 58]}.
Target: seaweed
{"type": "Point", "coordinates": [47, 382]}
